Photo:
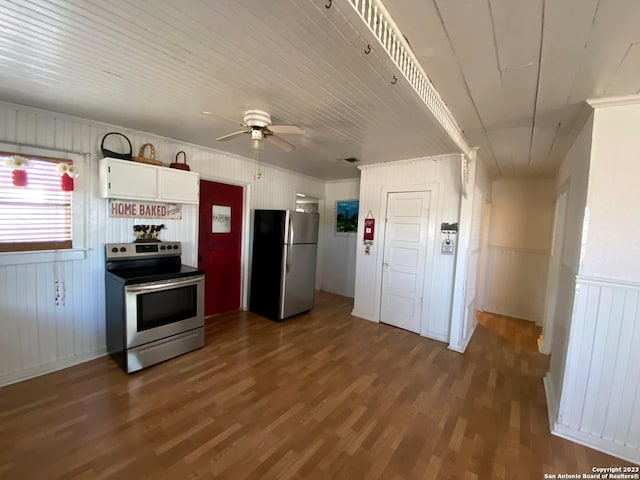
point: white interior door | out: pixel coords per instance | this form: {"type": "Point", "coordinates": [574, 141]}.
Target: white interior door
{"type": "Point", "coordinates": [405, 248]}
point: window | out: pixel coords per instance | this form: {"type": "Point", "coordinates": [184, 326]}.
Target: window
{"type": "Point", "coordinates": [39, 215]}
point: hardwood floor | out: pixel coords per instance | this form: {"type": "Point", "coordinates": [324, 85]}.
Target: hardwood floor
{"type": "Point", "coordinates": [321, 396]}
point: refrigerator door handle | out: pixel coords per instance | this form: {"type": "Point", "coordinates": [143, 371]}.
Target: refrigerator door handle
{"type": "Point", "coordinates": [291, 242]}
{"type": "Point", "coordinates": [288, 264]}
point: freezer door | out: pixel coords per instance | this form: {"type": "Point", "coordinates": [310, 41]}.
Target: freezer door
{"type": "Point", "coordinates": [299, 272]}
{"type": "Point", "coordinates": [302, 227]}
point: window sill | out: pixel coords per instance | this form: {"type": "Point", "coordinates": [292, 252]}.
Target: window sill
{"type": "Point", "coordinates": [42, 256]}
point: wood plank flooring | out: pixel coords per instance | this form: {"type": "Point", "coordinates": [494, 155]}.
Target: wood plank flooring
{"type": "Point", "coordinates": [321, 396]}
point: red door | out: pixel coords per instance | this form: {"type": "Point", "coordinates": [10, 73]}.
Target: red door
{"type": "Point", "coordinates": [220, 245]}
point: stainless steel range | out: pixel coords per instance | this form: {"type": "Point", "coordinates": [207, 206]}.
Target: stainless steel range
{"type": "Point", "coordinates": [154, 304]}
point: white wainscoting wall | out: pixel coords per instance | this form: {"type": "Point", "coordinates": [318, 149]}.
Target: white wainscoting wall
{"type": "Point", "coordinates": [600, 404]}
{"type": "Point", "coordinates": [560, 340]}
{"type": "Point", "coordinates": [38, 336]}
{"type": "Point", "coordinates": [516, 280]}
{"type": "Point", "coordinates": [518, 248]}
{"type": "Point", "coordinates": [594, 388]}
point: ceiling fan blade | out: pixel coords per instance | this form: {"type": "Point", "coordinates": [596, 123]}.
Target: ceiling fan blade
{"type": "Point", "coordinates": [213, 116]}
{"type": "Point", "coordinates": [295, 129]}
{"type": "Point", "coordinates": [224, 138]}
{"type": "Point", "coordinates": [279, 142]}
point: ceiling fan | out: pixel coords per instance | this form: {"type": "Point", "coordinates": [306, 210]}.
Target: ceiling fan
{"type": "Point", "coordinates": [258, 124]}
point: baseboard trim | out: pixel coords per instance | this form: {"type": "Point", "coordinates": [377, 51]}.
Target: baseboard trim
{"type": "Point", "coordinates": [519, 316]}
{"type": "Point", "coordinates": [552, 402]}
{"type": "Point", "coordinates": [365, 316]}
{"type": "Point", "coordinates": [541, 347]}
{"type": "Point", "coordinates": [342, 294]}
{"type": "Point", "coordinates": [621, 451]}
{"type": "Point", "coordinates": [435, 336]}
{"type": "Point", "coordinates": [465, 342]}
{"type": "Point", "coordinates": [22, 375]}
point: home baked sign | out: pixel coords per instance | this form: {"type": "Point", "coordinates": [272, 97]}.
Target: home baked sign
{"type": "Point", "coordinates": [135, 209]}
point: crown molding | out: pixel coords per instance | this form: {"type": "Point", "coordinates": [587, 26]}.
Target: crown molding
{"type": "Point", "coordinates": [614, 101]}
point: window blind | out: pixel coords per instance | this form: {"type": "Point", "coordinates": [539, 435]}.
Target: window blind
{"type": "Point", "coordinates": [38, 216]}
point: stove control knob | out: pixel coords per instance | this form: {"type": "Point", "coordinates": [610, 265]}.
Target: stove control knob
{"type": "Point", "coordinates": [175, 247]}
{"type": "Point", "coordinates": [169, 247]}
{"type": "Point", "coordinates": [123, 249]}
{"type": "Point", "coordinates": [162, 247]}
{"type": "Point", "coordinates": [114, 249]}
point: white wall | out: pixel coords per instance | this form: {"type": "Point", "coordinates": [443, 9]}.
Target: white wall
{"type": "Point", "coordinates": [481, 192]}
{"type": "Point", "coordinates": [339, 250]}
{"type": "Point", "coordinates": [518, 250]}
{"type": "Point", "coordinates": [573, 178]}
{"type": "Point", "coordinates": [612, 249]}
{"type": "Point", "coordinates": [442, 174]}
{"type": "Point", "coordinates": [600, 379]}
{"type": "Point", "coordinates": [36, 336]}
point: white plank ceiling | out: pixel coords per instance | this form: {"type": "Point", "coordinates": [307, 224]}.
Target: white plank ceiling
{"type": "Point", "coordinates": [514, 73]}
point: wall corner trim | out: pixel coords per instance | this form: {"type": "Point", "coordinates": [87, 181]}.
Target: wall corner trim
{"type": "Point", "coordinates": [365, 316]}
{"type": "Point", "coordinates": [465, 342]}
{"type": "Point", "coordinates": [613, 101]}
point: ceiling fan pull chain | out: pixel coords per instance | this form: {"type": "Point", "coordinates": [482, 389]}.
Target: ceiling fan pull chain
{"type": "Point", "coordinates": [328, 5]}
{"type": "Point", "coordinates": [394, 81]}
{"type": "Point", "coordinates": [368, 50]}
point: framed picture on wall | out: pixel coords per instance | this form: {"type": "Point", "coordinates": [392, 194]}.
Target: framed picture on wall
{"type": "Point", "coordinates": [347, 217]}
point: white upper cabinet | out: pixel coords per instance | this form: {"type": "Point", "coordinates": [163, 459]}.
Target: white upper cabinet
{"type": "Point", "coordinates": [178, 186]}
{"type": "Point", "coordinates": [139, 181]}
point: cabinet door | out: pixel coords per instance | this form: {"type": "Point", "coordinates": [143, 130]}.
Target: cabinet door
{"type": "Point", "coordinates": [179, 186]}
{"type": "Point", "coordinates": [131, 180]}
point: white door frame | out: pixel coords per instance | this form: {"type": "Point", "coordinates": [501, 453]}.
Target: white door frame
{"type": "Point", "coordinates": [482, 267]}
{"type": "Point", "coordinates": [434, 208]}
{"type": "Point", "coordinates": [553, 275]}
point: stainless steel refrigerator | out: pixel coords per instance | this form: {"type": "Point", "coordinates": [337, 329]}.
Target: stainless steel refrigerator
{"type": "Point", "coordinates": [283, 263]}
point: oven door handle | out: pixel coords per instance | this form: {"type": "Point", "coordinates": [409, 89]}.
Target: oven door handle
{"type": "Point", "coordinates": [163, 285]}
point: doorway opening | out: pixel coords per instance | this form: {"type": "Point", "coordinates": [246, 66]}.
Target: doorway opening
{"type": "Point", "coordinates": [307, 203]}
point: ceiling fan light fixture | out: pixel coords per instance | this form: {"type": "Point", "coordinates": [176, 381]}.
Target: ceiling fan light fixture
{"type": "Point", "coordinates": [257, 145]}
{"type": "Point", "coordinates": [258, 125]}
{"type": "Point", "coordinates": [256, 134]}
{"type": "Point", "coordinates": [257, 118]}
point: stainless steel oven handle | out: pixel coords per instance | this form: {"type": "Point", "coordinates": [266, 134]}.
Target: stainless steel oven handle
{"type": "Point", "coordinates": [158, 286]}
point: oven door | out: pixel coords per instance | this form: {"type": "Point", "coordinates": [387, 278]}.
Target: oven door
{"type": "Point", "coordinates": [157, 310]}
